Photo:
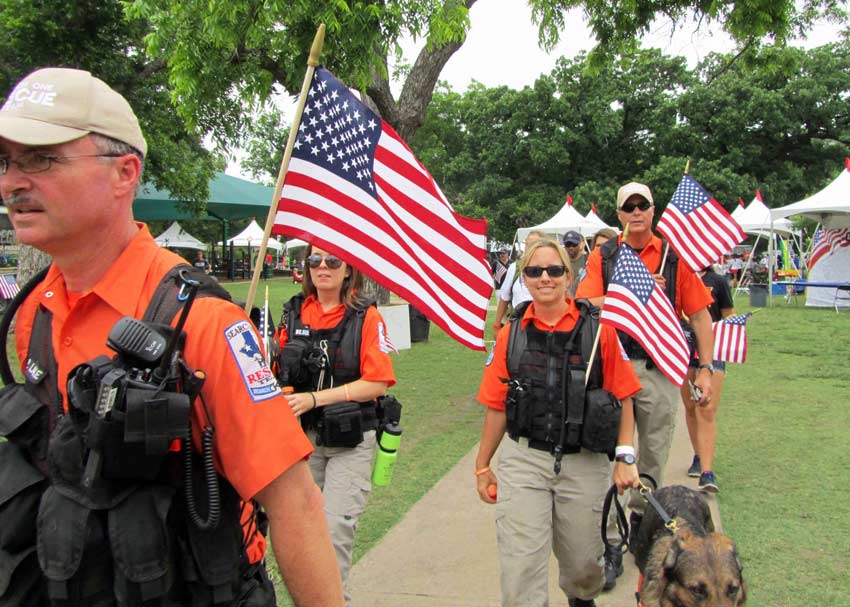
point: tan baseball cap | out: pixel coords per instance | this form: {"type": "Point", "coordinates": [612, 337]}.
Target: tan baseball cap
{"type": "Point", "coordinates": [631, 189]}
{"type": "Point", "coordinates": [57, 105]}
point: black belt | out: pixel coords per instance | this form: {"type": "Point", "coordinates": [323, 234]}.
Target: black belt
{"type": "Point", "coordinates": [541, 445]}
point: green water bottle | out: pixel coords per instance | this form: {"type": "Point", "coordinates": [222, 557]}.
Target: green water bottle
{"type": "Point", "coordinates": [387, 453]}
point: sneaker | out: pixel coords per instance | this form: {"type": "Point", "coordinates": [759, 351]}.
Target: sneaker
{"type": "Point", "coordinates": [634, 525]}
{"type": "Point", "coordinates": [613, 565]}
{"type": "Point", "coordinates": [581, 602]}
{"type": "Point", "coordinates": [708, 483]}
{"type": "Point", "coordinates": [696, 468]}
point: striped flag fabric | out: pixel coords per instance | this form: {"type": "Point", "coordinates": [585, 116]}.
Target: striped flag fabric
{"type": "Point", "coordinates": [730, 338]}
{"type": "Point", "coordinates": [636, 305]}
{"type": "Point", "coordinates": [500, 272]}
{"type": "Point", "coordinates": [355, 189]}
{"type": "Point", "coordinates": [826, 241]}
{"type": "Point", "coordinates": [8, 286]}
{"type": "Point", "coordinates": [699, 229]}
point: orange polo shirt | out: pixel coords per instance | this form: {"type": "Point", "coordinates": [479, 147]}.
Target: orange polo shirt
{"type": "Point", "coordinates": [375, 363]}
{"type": "Point", "coordinates": [691, 293]}
{"type": "Point", "coordinates": [618, 377]}
{"type": "Point", "coordinates": [257, 437]}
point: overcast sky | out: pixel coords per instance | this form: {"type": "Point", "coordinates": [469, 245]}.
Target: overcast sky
{"type": "Point", "coordinates": [501, 47]}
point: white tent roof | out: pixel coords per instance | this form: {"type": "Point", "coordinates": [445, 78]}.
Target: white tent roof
{"type": "Point", "coordinates": [252, 236]}
{"type": "Point", "coordinates": [294, 243]}
{"type": "Point", "coordinates": [593, 218]}
{"type": "Point", "coordinates": [739, 210]}
{"type": "Point", "coordinates": [756, 219]}
{"type": "Point", "coordinates": [178, 238]}
{"type": "Point", "coordinates": [830, 206]}
{"type": "Point", "coordinates": [563, 221]}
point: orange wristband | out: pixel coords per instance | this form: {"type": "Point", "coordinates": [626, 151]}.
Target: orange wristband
{"type": "Point", "coordinates": [483, 470]}
{"type": "Point", "coordinates": [347, 395]}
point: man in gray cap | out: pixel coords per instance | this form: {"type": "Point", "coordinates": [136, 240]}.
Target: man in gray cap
{"type": "Point", "coordinates": [118, 522]}
{"type": "Point", "coordinates": [574, 244]}
{"type": "Point", "coordinates": [658, 401]}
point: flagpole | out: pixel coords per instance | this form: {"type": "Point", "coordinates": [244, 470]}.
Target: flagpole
{"type": "Point", "coordinates": [266, 322]}
{"type": "Point", "coordinates": [687, 166]}
{"type": "Point", "coordinates": [312, 63]}
{"type": "Point", "coordinates": [592, 354]}
{"type": "Point", "coordinates": [664, 259]}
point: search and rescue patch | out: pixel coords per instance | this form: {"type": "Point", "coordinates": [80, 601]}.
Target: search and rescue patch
{"type": "Point", "coordinates": [256, 374]}
{"type": "Point", "coordinates": [623, 354]}
{"type": "Point", "coordinates": [384, 342]}
{"type": "Point", "coordinates": [490, 355]}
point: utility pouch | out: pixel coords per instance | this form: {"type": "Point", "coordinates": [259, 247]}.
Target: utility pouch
{"type": "Point", "coordinates": [517, 409]}
{"type": "Point", "coordinates": [387, 410]}
{"type": "Point", "coordinates": [21, 486]}
{"type": "Point", "coordinates": [24, 420]}
{"type": "Point", "coordinates": [601, 422]}
{"type": "Point", "coordinates": [341, 425]}
{"type": "Point", "coordinates": [293, 370]}
{"type": "Point", "coordinates": [574, 395]}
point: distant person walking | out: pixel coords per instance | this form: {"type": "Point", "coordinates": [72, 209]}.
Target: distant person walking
{"type": "Point", "coordinates": [499, 268]}
{"type": "Point", "coordinates": [201, 263]}
{"type": "Point", "coordinates": [513, 291]}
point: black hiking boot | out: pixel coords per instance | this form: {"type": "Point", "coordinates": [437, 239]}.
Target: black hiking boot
{"type": "Point", "coordinates": [582, 603]}
{"type": "Point", "coordinates": [613, 565]}
{"type": "Point", "coordinates": [634, 525]}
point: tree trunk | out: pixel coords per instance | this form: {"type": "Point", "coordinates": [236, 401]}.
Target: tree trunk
{"type": "Point", "coordinates": [373, 290]}
{"type": "Point", "coordinates": [30, 261]}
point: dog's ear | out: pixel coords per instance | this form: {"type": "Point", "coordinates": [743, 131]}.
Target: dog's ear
{"type": "Point", "coordinates": [742, 595]}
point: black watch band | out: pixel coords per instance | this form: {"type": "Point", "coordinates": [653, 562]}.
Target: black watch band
{"type": "Point", "coordinates": [709, 367]}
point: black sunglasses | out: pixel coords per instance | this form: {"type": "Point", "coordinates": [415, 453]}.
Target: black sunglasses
{"type": "Point", "coordinates": [628, 207]}
{"type": "Point", "coordinates": [537, 271]}
{"type": "Point", "coordinates": [332, 261]}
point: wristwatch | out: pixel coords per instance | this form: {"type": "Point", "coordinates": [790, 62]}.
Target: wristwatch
{"type": "Point", "coordinates": [709, 367]}
{"type": "Point", "coordinates": [626, 458]}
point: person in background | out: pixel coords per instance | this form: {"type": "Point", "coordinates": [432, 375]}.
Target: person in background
{"type": "Point", "coordinates": [575, 245]}
{"type": "Point", "coordinates": [657, 402]}
{"type": "Point", "coordinates": [119, 529]}
{"type": "Point", "coordinates": [499, 268]}
{"type": "Point", "coordinates": [513, 291]}
{"type": "Point", "coordinates": [201, 263]}
{"type": "Point", "coordinates": [602, 236]}
{"type": "Point", "coordinates": [702, 418]}
{"type": "Point", "coordinates": [541, 506]}
{"type": "Point", "coordinates": [335, 356]}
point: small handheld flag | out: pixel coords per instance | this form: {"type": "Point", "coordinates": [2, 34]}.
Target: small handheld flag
{"type": "Point", "coordinates": [730, 338]}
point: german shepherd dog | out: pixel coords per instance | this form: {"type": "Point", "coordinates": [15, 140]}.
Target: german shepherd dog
{"type": "Point", "coordinates": [693, 567]}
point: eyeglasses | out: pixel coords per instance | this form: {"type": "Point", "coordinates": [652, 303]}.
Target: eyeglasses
{"type": "Point", "coordinates": [628, 207]}
{"type": "Point", "coordinates": [537, 271]}
{"type": "Point", "coordinates": [38, 162]}
{"type": "Point", "coordinates": [332, 261]}
{"type": "Point", "coordinates": [570, 245]}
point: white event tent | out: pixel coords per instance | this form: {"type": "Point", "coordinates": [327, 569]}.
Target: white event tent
{"type": "Point", "coordinates": [561, 222]}
{"type": "Point", "coordinates": [252, 236]}
{"type": "Point", "coordinates": [176, 237]}
{"type": "Point", "coordinates": [831, 208]}
{"type": "Point", "coordinates": [756, 219]}
{"type": "Point", "coordinates": [294, 243]}
{"type": "Point", "coordinates": [593, 218]}
{"type": "Point", "coordinates": [739, 210]}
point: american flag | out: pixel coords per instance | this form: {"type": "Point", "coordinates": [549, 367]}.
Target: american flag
{"type": "Point", "coordinates": [730, 338]}
{"type": "Point", "coordinates": [636, 305]}
{"type": "Point", "coordinates": [697, 226]}
{"type": "Point", "coordinates": [826, 241]}
{"type": "Point", "coordinates": [8, 286]}
{"type": "Point", "coordinates": [355, 189]}
{"type": "Point", "coordinates": [501, 270]}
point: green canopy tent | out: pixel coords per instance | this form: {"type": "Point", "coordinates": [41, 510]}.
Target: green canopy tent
{"type": "Point", "coordinates": [229, 198]}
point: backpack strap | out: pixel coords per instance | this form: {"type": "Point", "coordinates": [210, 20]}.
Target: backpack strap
{"type": "Point", "coordinates": [516, 339]}
{"type": "Point", "coordinates": [166, 303]}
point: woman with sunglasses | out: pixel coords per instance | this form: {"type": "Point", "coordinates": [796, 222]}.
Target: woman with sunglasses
{"type": "Point", "coordinates": [334, 354]}
{"type": "Point", "coordinates": [548, 489]}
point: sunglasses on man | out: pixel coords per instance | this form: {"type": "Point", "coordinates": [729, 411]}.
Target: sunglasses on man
{"type": "Point", "coordinates": [332, 261]}
{"type": "Point", "coordinates": [629, 207]}
{"type": "Point", "coordinates": [537, 271]}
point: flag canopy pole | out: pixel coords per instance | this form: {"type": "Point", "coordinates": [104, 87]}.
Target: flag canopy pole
{"type": "Point", "coordinates": [312, 64]}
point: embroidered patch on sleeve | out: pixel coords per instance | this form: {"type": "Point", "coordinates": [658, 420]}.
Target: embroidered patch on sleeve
{"type": "Point", "coordinates": [384, 342]}
{"type": "Point", "coordinates": [255, 372]}
{"type": "Point", "coordinates": [490, 355]}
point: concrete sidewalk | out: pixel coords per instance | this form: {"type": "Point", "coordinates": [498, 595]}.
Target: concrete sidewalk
{"type": "Point", "coordinates": [443, 553]}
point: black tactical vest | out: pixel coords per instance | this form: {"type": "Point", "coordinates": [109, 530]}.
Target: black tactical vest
{"type": "Point", "coordinates": [122, 541]}
{"type": "Point", "coordinates": [548, 402]}
{"type": "Point", "coordinates": [336, 350]}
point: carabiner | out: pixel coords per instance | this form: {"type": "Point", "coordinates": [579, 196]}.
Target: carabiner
{"type": "Point", "coordinates": [183, 293]}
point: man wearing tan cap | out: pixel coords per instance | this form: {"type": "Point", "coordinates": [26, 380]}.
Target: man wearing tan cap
{"type": "Point", "coordinates": [118, 522]}
{"type": "Point", "coordinates": [657, 402]}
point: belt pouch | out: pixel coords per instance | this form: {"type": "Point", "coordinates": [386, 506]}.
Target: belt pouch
{"type": "Point", "coordinates": [24, 420]}
{"type": "Point", "coordinates": [341, 425]}
{"type": "Point", "coordinates": [139, 538]}
{"type": "Point", "coordinates": [601, 422]}
{"type": "Point", "coordinates": [574, 394]}
{"type": "Point", "coordinates": [21, 485]}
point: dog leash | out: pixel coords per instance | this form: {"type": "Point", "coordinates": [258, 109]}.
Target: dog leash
{"type": "Point", "coordinates": [646, 493]}
{"type": "Point", "coordinates": [622, 523]}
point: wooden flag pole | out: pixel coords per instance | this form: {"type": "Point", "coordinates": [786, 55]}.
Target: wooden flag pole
{"type": "Point", "coordinates": [687, 166]}
{"type": "Point", "coordinates": [592, 354]}
{"type": "Point", "coordinates": [312, 63]}
{"type": "Point", "coordinates": [664, 259]}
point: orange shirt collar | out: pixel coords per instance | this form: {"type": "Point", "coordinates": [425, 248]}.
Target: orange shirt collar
{"type": "Point", "coordinates": [654, 242]}
{"type": "Point", "coordinates": [565, 323]}
{"type": "Point", "coordinates": [122, 283]}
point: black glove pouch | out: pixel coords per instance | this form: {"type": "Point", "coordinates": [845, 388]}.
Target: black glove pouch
{"type": "Point", "coordinates": [340, 425]}
{"type": "Point", "coordinates": [601, 428]}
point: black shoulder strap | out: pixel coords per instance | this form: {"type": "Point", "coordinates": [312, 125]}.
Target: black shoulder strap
{"type": "Point", "coordinates": [166, 302]}
{"type": "Point", "coordinates": [291, 313]}
{"type": "Point", "coordinates": [516, 339]}
{"type": "Point", "coordinates": [6, 322]}
{"type": "Point", "coordinates": [589, 329]}
{"type": "Point", "coordinates": [608, 252]}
